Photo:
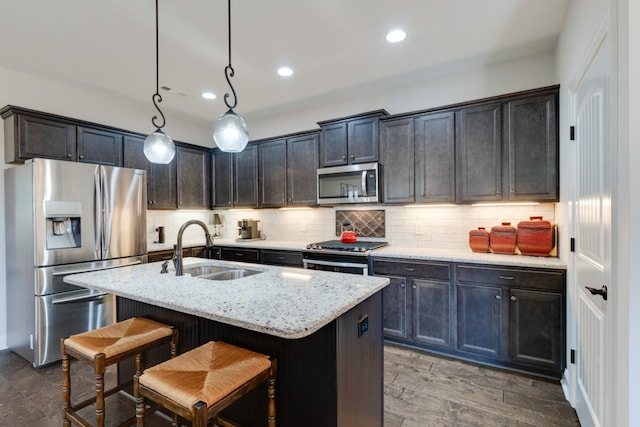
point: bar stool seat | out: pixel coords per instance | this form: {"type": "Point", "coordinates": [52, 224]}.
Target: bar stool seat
{"type": "Point", "coordinates": [103, 347]}
{"type": "Point", "coordinates": [200, 383]}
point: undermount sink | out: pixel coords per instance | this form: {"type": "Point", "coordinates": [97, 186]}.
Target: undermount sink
{"type": "Point", "coordinates": [201, 270]}
{"type": "Point", "coordinates": [211, 272]}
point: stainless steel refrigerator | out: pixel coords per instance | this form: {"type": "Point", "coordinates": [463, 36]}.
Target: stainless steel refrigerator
{"type": "Point", "coordinates": [64, 218]}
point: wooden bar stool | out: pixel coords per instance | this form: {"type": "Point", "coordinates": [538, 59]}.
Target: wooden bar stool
{"type": "Point", "coordinates": [103, 347]}
{"type": "Point", "coordinates": [200, 383]}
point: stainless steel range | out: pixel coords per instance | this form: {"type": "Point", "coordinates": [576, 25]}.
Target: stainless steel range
{"type": "Point", "coordinates": [333, 255]}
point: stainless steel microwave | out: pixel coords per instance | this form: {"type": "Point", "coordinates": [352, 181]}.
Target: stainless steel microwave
{"type": "Point", "coordinates": [349, 184]}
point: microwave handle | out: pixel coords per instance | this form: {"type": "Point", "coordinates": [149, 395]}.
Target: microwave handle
{"type": "Point", "coordinates": [364, 184]}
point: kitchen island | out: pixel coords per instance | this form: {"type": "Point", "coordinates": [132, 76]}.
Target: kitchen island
{"type": "Point", "coordinates": [324, 328]}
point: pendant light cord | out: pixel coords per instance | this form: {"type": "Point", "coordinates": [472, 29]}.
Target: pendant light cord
{"type": "Point", "coordinates": [157, 98]}
{"type": "Point", "coordinates": [228, 70]}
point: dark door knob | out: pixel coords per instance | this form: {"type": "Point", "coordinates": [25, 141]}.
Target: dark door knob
{"type": "Point", "coordinates": [602, 291]}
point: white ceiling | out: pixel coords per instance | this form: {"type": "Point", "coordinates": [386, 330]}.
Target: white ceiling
{"type": "Point", "coordinates": [332, 45]}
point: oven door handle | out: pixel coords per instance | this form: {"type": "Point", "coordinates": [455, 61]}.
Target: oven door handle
{"type": "Point", "coordinates": [85, 298]}
{"type": "Point", "coordinates": [92, 269]}
{"type": "Point", "coordinates": [333, 263]}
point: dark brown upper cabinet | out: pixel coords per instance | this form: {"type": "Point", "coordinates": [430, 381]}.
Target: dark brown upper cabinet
{"type": "Point", "coordinates": [245, 177]}
{"type": "Point", "coordinates": [531, 133]}
{"type": "Point", "coordinates": [418, 156]}
{"type": "Point", "coordinates": [287, 171]}
{"type": "Point", "coordinates": [99, 146]}
{"type": "Point", "coordinates": [479, 146]}
{"type": "Point", "coordinates": [162, 192]}
{"type": "Point", "coordinates": [272, 175]}
{"type": "Point", "coordinates": [193, 172]}
{"type": "Point", "coordinates": [302, 164]}
{"type": "Point", "coordinates": [30, 134]}
{"type": "Point", "coordinates": [222, 179]}
{"type": "Point", "coordinates": [397, 146]}
{"type": "Point", "coordinates": [350, 140]}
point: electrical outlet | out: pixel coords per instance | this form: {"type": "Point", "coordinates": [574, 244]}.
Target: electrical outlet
{"type": "Point", "coordinates": [419, 229]}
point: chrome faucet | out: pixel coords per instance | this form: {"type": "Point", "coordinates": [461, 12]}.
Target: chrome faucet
{"type": "Point", "coordinates": [177, 248]}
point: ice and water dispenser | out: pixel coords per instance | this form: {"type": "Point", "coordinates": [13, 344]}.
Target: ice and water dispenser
{"type": "Point", "coordinates": [63, 224]}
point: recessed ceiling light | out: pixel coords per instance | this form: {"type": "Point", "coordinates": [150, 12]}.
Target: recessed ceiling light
{"type": "Point", "coordinates": [396, 36]}
{"type": "Point", "coordinates": [208, 95]}
{"type": "Point", "coordinates": [285, 71]}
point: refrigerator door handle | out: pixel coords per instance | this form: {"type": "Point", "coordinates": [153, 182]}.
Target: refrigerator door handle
{"type": "Point", "coordinates": [89, 270]}
{"type": "Point", "coordinates": [98, 214]}
{"type": "Point", "coordinates": [84, 298]}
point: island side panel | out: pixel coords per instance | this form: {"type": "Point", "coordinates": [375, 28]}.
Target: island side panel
{"type": "Point", "coordinates": [360, 364]}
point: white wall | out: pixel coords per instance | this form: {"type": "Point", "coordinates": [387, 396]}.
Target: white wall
{"type": "Point", "coordinates": [458, 83]}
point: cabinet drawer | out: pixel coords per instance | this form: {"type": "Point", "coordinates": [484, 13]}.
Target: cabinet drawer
{"type": "Point", "coordinates": [164, 255]}
{"type": "Point", "coordinates": [237, 254]}
{"type": "Point", "coordinates": [539, 279]}
{"type": "Point", "coordinates": [291, 258]}
{"type": "Point", "coordinates": [425, 270]}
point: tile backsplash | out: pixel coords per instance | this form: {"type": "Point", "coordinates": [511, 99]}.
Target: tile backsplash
{"type": "Point", "coordinates": [420, 226]}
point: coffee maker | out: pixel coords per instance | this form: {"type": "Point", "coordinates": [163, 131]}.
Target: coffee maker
{"type": "Point", "coordinates": [248, 229]}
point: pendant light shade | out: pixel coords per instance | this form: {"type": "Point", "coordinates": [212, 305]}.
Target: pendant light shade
{"type": "Point", "coordinates": [230, 132]}
{"type": "Point", "coordinates": [158, 147]}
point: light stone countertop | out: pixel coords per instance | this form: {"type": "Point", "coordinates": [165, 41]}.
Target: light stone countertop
{"type": "Point", "coordinates": [285, 302]}
{"type": "Point", "coordinates": [466, 255]}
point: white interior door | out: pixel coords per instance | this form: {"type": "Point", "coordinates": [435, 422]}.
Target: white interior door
{"type": "Point", "coordinates": [592, 228]}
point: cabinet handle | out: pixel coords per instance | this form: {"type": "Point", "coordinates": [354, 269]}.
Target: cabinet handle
{"type": "Point", "coordinates": [505, 277]}
{"type": "Point", "coordinates": [402, 285]}
{"type": "Point", "coordinates": [344, 157]}
{"type": "Point", "coordinates": [240, 255]}
{"type": "Point", "coordinates": [513, 297]}
{"type": "Point", "coordinates": [81, 157]}
{"type": "Point", "coordinates": [414, 286]}
{"type": "Point", "coordinates": [353, 156]}
{"type": "Point", "coordinates": [409, 269]}
{"type": "Point", "coordinates": [68, 156]}
{"type": "Point", "coordinates": [498, 297]}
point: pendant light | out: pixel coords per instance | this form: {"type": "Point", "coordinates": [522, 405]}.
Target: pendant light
{"type": "Point", "coordinates": [158, 147]}
{"type": "Point", "coordinates": [230, 132]}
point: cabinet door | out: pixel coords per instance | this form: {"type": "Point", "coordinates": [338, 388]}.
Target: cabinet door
{"type": "Point", "coordinates": [535, 329]}
{"type": "Point", "coordinates": [222, 179]}
{"type": "Point", "coordinates": [397, 155]}
{"type": "Point", "coordinates": [435, 179]}
{"type": "Point", "coordinates": [531, 130]}
{"type": "Point", "coordinates": [431, 312]}
{"type": "Point", "coordinates": [272, 169]}
{"type": "Point", "coordinates": [99, 146]}
{"type": "Point", "coordinates": [362, 138]}
{"type": "Point", "coordinates": [394, 307]}
{"type": "Point", "coordinates": [193, 178]}
{"type": "Point", "coordinates": [302, 164]}
{"type": "Point", "coordinates": [479, 145]}
{"type": "Point", "coordinates": [333, 145]}
{"type": "Point", "coordinates": [39, 137]}
{"type": "Point", "coordinates": [480, 320]}
{"type": "Point", "coordinates": [245, 177]}
{"type": "Point", "coordinates": [161, 179]}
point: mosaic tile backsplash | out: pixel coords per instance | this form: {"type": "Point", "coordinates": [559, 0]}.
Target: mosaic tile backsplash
{"type": "Point", "coordinates": [369, 223]}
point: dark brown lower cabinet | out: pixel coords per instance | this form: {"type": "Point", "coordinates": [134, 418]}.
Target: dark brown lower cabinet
{"type": "Point", "coordinates": [417, 306]}
{"type": "Point", "coordinates": [510, 317]}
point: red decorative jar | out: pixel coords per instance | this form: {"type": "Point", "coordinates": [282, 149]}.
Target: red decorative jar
{"type": "Point", "coordinates": [503, 239]}
{"type": "Point", "coordinates": [535, 237]}
{"type": "Point", "coordinates": [479, 240]}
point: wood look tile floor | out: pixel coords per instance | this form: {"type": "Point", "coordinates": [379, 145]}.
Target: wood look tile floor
{"type": "Point", "coordinates": [421, 390]}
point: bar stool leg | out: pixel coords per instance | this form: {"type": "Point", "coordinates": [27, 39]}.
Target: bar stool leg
{"type": "Point", "coordinates": [271, 394]}
{"type": "Point", "coordinates": [66, 387]}
{"type": "Point", "coordinates": [100, 367]}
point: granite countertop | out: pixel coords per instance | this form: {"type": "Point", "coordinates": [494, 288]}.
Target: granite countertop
{"type": "Point", "coordinates": [391, 251]}
{"type": "Point", "coordinates": [285, 302]}
{"type": "Point", "coordinates": [466, 255]}
{"type": "Point", "coordinates": [259, 244]}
